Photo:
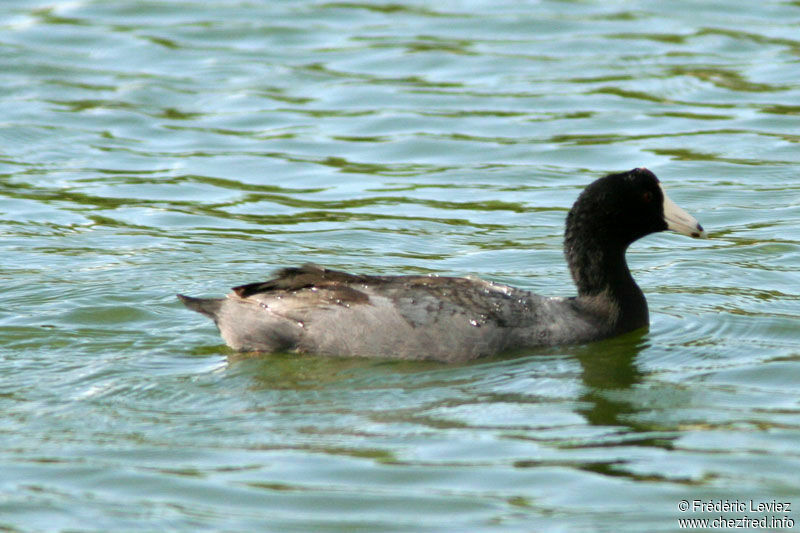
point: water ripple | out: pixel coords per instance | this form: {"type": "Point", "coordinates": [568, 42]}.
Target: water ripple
{"type": "Point", "coordinates": [152, 147]}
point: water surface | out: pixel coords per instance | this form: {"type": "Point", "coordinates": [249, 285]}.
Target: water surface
{"type": "Point", "coordinates": [155, 147]}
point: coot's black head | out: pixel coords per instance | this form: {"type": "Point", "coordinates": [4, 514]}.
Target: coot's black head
{"type": "Point", "coordinates": [621, 208]}
{"type": "Point", "coordinates": [610, 214]}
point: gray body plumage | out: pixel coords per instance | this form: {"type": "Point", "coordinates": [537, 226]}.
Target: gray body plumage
{"type": "Point", "coordinates": [314, 310]}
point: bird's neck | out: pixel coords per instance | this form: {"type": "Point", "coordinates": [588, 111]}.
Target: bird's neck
{"type": "Point", "coordinates": [601, 273]}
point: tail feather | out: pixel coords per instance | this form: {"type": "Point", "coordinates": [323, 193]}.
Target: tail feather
{"type": "Point", "coordinates": [205, 306]}
{"type": "Point", "coordinates": [247, 327]}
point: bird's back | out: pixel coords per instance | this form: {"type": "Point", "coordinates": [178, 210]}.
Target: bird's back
{"type": "Point", "coordinates": [315, 310]}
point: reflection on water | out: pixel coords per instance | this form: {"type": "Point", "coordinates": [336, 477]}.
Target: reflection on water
{"type": "Point", "coordinates": [149, 148]}
{"type": "Point", "coordinates": [609, 369]}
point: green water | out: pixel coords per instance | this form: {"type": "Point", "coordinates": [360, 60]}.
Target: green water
{"type": "Point", "coordinates": [155, 147]}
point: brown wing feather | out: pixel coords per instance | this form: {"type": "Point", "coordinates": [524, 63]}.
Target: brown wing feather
{"type": "Point", "coordinates": [307, 276]}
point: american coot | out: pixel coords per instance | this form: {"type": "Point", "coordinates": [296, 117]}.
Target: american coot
{"type": "Point", "coordinates": [311, 309]}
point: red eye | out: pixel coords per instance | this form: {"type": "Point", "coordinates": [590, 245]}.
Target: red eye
{"type": "Point", "coordinates": [647, 197]}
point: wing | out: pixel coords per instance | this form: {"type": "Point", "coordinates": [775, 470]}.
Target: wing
{"type": "Point", "coordinates": [324, 311]}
